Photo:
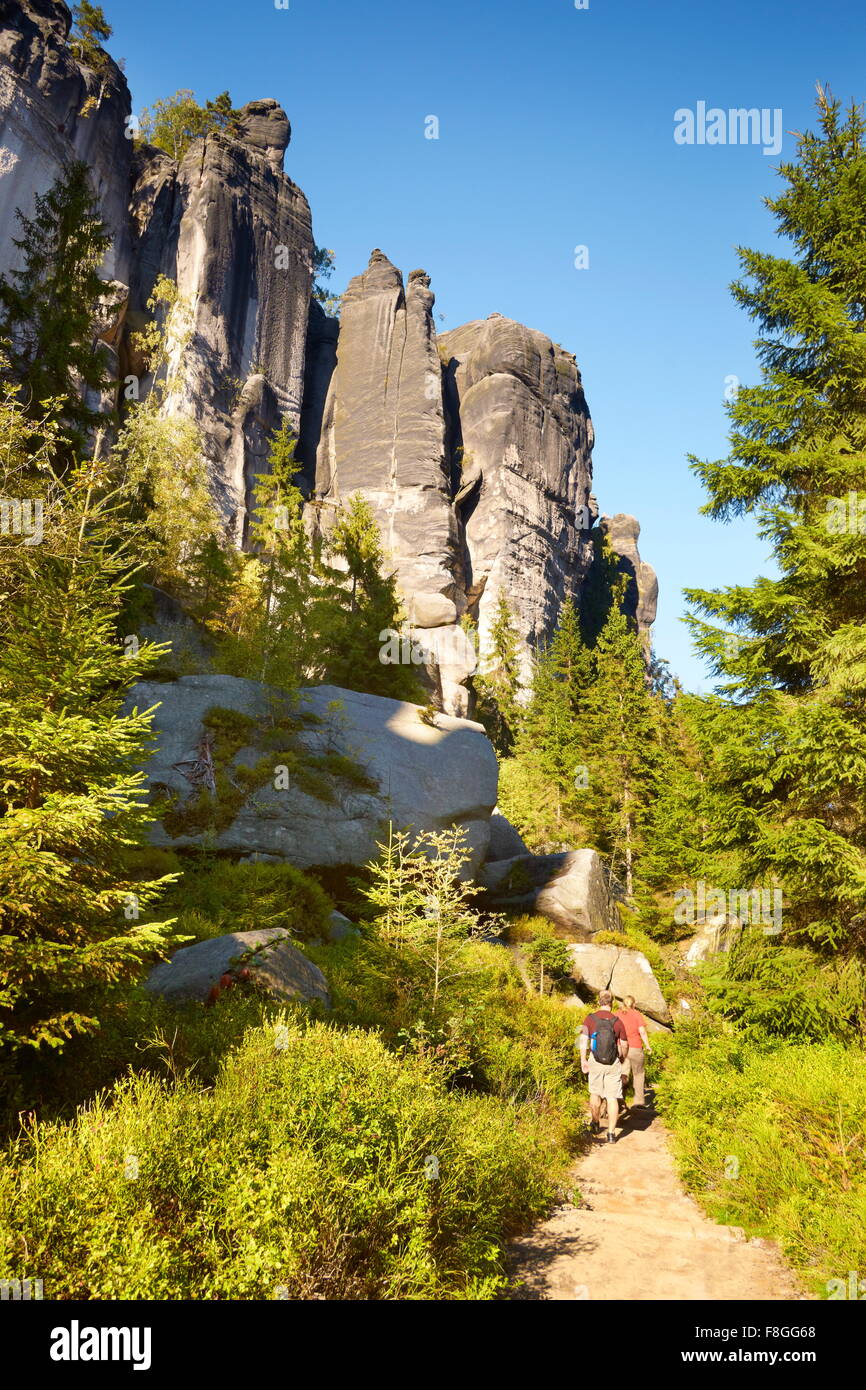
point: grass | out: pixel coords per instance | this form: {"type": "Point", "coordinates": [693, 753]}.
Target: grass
{"type": "Point", "coordinates": [770, 1137]}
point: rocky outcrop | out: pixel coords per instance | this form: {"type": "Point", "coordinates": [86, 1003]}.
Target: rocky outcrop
{"type": "Point", "coordinates": [622, 971]}
{"type": "Point", "coordinates": [568, 888]}
{"type": "Point", "coordinates": [265, 958]}
{"type": "Point", "coordinates": [54, 109]}
{"type": "Point", "coordinates": [505, 841]}
{"type": "Point", "coordinates": [523, 438]}
{"type": "Point", "coordinates": [715, 937]}
{"type": "Point", "coordinates": [642, 586]}
{"type": "Point", "coordinates": [418, 776]}
{"type": "Point", "coordinates": [235, 234]}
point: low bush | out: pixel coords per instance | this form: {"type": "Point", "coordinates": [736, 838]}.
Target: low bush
{"type": "Point", "coordinates": [770, 1137]}
{"type": "Point", "coordinates": [320, 1165]}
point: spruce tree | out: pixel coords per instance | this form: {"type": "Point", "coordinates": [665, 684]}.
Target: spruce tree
{"type": "Point", "coordinates": [789, 726]}
{"type": "Point", "coordinates": [497, 684]}
{"type": "Point", "coordinates": [48, 309]}
{"type": "Point", "coordinates": [621, 743]}
{"type": "Point", "coordinates": [73, 910]}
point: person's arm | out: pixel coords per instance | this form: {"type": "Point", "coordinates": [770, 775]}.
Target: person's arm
{"type": "Point", "coordinates": [622, 1043]}
{"type": "Point", "coordinates": [584, 1047]}
{"type": "Point", "coordinates": [645, 1040]}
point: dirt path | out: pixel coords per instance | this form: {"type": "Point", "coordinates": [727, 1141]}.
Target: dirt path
{"type": "Point", "coordinates": [636, 1235]}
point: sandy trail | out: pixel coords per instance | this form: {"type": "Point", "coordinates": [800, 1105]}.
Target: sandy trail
{"type": "Point", "coordinates": [636, 1234]}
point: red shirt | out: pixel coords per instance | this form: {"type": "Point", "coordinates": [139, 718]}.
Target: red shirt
{"type": "Point", "coordinates": [618, 1027]}
{"type": "Point", "coordinates": [633, 1021]}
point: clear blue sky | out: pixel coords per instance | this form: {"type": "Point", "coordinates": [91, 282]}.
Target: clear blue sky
{"type": "Point", "coordinates": [556, 130]}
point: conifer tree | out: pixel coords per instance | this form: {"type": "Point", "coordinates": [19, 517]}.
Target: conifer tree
{"type": "Point", "coordinates": [497, 684]}
{"type": "Point", "coordinates": [364, 603]}
{"type": "Point", "coordinates": [48, 309]}
{"type": "Point", "coordinates": [788, 731]}
{"type": "Point", "coordinates": [73, 913]}
{"type": "Point", "coordinates": [620, 737]}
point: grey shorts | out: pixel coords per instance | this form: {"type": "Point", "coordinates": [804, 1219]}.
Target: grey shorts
{"type": "Point", "coordinates": [606, 1080]}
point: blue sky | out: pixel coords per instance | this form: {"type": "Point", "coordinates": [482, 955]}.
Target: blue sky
{"type": "Point", "coordinates": [555, 131]}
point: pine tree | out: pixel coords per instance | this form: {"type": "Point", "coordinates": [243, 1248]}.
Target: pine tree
{"type": "Point", "coordinates": [541, 787]}
{"type": "Point", "coordinates": [364, 603]}
{"type": "Point", "coordinates": [497, 684]}
{"type": "Point", "coordinates": [73, 911]}
{"type": "Point", "coordinates": [90, 29]}
{"type": "Point", "coordinates": [789, 728]}
{"type": "Point", "coordinates": [173, 123]}
{"type": "Point", "coordinates": [620, 738]}
{"type": "Point", "coordinates": [49, 306]}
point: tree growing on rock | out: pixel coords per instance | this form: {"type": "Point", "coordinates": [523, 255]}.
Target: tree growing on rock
{"type": "Point", "coordinates": [497, 684]}
{"type": "Point", "coordinates": [48, 311]}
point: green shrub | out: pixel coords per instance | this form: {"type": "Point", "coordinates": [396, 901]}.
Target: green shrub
{"type": "Point", "coordinates": [319, 1166]}
{"type": "Point", "coordinates": [219, 895]}
{"type": "Point", "coordinates": [770, 1138]}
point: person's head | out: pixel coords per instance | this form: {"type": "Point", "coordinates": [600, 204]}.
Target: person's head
{"type": "Point", "coordinates": [605, 999]}
{"type": "Point", "coordinates": [628, 1001]}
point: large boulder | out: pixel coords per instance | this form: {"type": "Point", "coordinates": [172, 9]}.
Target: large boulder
{"type": "Point", "coordinates": [418, 775]}
{"type": "Point", "coordinates": [716, 936]}
{"type": "Point", "coordinates": [568, 888]}
{"type": "Point", "coordinates": [622, 971]}
{"type": "Point", "coordinates": [268, 957]}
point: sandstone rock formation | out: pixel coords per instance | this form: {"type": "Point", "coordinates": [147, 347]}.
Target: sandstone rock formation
{"type": "Point", "coordinates": [642, 589]}
{"type": "Point", "coordinates": [568, 888]}
{"type": "Point", "coordinates": [519, 417]}
{"type": "Point", "coordinates": [716, 936]}
{"type": "Point", "coordinates": [423, 777]}
{"type": "Point", "coordinates": [54, 109]}
{"type": "Point", "coordinates": [623, 971]}
{"type": "Point", "coordinates": [506, 842]}
{"type": "Point", "coordinates": [267, 956]}
{"type": "Point", "coordinates": [235, 234]}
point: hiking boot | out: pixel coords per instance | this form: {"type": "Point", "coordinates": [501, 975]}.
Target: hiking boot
{"type": "Point", "coordinates": [594, 1127]}
{"type": "Point", "coordinates": [611, 1137]}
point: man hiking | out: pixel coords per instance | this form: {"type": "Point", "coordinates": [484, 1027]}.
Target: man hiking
{"type": "Point", "coordinates": [638, 1048]}
{"type": "Point", "coordinates": [603, 1049]}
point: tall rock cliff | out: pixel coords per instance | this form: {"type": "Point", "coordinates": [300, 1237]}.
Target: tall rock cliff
{"type": "Point", "coordinates": [473, 449]}
{"type": "Point", "coordinates": [235, 234]}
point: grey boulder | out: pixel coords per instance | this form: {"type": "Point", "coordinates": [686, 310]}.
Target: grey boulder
{"type": "Point", "coordinates": [568, 888]}
{"type": "Point", "coordinates": [274, 964]}
{"type": "Point", "coordinates": [505, 841]}
{"type": "Point", "coordinates": [425, 777]}
{"type": "Point", "coordinates": [622, 971]}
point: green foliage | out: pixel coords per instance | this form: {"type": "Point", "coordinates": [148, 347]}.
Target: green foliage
{"type": "Point", "coordinates": [323, 269]}
{"type": "Point", "coordinates": [497, 683]}
{"type": "Point", "coordinates": [777, 991]}
{"type": "Point", "coordinates": [71, 790]}
{"type": "Point", "coordinates": [174, 123]}
{"type": "Point", "coordinates": [48, 308]}
{"type": "Point", "coordinates": [232, 897]}
{"type": "Point", "coordinates": [788, 730]}
{"type": "Point", "coordinates": [90, 29]}
{"type": "Point", "coordinates": [770, 1138]}
{"type": "Point", "coordinates": [307, 1167]}
{"type": "Point", "coordinates": [422, 906]}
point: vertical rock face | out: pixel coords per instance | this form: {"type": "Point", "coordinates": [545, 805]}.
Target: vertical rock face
{"type": "Point", "coordinates": [235, 233]}
{"type": "Point", "coordinates": [54, 109]}
{"type": "Point", "coordinates": [383, 434]}
{"type": "Point", "coordinates": [518, 412]}
{"type": "Point", "coordinates": [642, 589]}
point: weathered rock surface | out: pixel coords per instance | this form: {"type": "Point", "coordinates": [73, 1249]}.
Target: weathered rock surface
{"type": "Point", "coordinates": [428, 778]}
{"type": "Point", "coordinates": [623, 971]}
{"type": "Point", "coordinates": [642, 591]}
{"type": "Point", "coordinates": [235, 233]}
{"type": "Point", "coordinates": [568, 888]}
{"type": "Point", "coordinates": [54, 109]}
{"type": "Point", "coordinates": [517, 410]}
{"type": "Point", "coordinates": [273, 963]}
{"type": "Point", "coordinates": [714, 937]}
{"type": "Point", "coordinates": [505, 841]}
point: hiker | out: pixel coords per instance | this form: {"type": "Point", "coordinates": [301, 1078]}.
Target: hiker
{"type": "Point", "coordinates": [603, 1049]}
{"type": "Point", "coordinates": [638, 1049]}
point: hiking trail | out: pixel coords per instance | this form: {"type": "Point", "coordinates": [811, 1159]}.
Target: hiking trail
{"type": "Point", "coordinates": [635, 1234]}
